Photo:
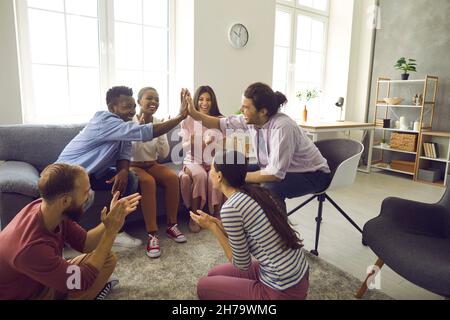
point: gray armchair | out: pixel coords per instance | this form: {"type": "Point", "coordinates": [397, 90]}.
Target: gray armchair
{"type": "Point", "coordinates": [413, 239]}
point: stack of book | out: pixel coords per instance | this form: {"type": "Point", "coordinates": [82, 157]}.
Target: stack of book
{"type": "Point", "coordinates": [431, 150]}
{"type": "Point", "coordinates": [379, 123]}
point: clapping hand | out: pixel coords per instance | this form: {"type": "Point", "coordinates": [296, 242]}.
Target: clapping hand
{"type": "Point", "coordinates": [202, 219]}
{"type": "Point", "coordinates": [209, 140]}
{"type": "Point", "coordinates": [131, 202]}
{"type": "Point", "coordinates": [142, 119]}
{"type": "Point", "coordinates": [119, 210]}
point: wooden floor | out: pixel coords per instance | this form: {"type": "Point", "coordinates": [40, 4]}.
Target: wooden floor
{"type": "Point", "coordinates": [340, 244]}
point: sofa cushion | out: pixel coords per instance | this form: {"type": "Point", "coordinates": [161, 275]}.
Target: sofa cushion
{"type": "Point", "coordinates": [39, 145]}
{"type": "Point", "coordinates": [19, 177]}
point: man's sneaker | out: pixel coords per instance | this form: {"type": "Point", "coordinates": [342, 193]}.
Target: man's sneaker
{"type": "Point", "coordinates": [112, 282]}
{"type": "Point", "coordinates": [153, 248]}
{"type": "Point", "coordinates": [124, 240]}
{"type": "Point", "coordinates": [175, 233]}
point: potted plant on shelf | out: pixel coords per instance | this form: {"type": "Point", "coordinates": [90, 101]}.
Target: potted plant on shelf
{"type": "Point", "coordinates": [306, 96]}
{"type": "Point", "coordinates": [406, 65]}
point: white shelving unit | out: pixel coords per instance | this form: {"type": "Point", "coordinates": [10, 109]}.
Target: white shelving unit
{"type": "Point", "coordinates": [397, 130]}
{"type": "Point", "coordinates": [379, 147]}
{"type": "Point", "coordinates": [389, 81]}
{"type": "Point", "coordinates": [388, 168]}
{"type": "Point", "coordinates": [442, 139]}
{"type": "Point", "coordinates": [398, 106]}
{"type": "Point", "coordinates": [383, 110]}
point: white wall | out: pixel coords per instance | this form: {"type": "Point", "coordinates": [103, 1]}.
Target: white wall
{"type": "Point", "coordinates": [350, 44]}
{"type": "Point", "coordinates": [338, 52]}
{"type": "Point", "coordinates": [229, 71]}
{"type": "Point", "coordinates": [360, 60]}
{"type": "Point", "coordinates": [10, 105]}
{"type": "Point", "coordinates": [184, 45]}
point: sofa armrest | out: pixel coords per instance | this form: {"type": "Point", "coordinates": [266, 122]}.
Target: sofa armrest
{"type": "Point", "coordinates": [19, 177]}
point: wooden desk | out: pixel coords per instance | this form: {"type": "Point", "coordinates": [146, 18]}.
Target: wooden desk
{"type": "Point", "coordinates": [315, 128]}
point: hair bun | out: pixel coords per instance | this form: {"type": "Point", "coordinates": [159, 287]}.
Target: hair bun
{"type": "Point", "coordinates": [281, 98]}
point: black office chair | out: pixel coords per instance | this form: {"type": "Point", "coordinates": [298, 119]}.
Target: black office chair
{"type": "Point", "coordinates": [413, 239]}
{"type": "Point", "coordinates": [343, 157]}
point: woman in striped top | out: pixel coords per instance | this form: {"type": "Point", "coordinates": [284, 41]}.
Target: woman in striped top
{"type": "Point", "coordinates": [253, 223]}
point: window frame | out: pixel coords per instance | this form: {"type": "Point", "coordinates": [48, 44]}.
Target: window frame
{"type": "Point", "coordinates": [295, 4]}
{"type": "Point", "coordinates": [294, 9]}
{"type": "Point", "coordinates": [106, 65]}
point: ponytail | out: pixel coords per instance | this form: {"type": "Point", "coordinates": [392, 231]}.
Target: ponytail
{"type": "Point", "coordinates": [263, 97]}
{"type": "Point", "coordinates": [281, 99]}
{"type": "Point", "coordinates": [275, 213]}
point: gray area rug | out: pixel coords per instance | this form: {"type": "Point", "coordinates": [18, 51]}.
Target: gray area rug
{"type": "Point", "coordinates": [175, 274]}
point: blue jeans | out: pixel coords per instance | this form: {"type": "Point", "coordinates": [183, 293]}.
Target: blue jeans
{"type": "Point", "coordinates": [99, 183]}
{"type": "Point", "coordinates": [297, 184]}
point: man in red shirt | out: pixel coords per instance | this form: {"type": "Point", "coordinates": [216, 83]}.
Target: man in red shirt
{"type": "Point", "coordinates": [31, 246]}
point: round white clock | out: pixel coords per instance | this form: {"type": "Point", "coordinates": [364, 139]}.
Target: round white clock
{"type": "Point", "coordinates": [238, 35]}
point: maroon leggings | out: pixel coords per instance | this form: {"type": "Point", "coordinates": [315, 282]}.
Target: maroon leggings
{"type": "Point", "coordinates": [226, 282]}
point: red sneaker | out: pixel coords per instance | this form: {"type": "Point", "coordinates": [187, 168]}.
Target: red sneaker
{"type": "Point", "coordinates": [153, 249]}
{"type": "Point", "coordinates": [175, 234]}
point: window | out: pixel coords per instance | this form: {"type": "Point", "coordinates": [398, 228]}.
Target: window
{"type": "Point", "coordinates": [300, 51]}
{"type": "Point", "coordinates": [73, 51]}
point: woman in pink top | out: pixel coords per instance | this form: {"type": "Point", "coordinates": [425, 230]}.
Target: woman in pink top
{"type": "Point", "coordinates": [199, 144]}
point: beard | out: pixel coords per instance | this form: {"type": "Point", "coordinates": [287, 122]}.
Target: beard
{"type": "Point", "coordinates": [74, 213]}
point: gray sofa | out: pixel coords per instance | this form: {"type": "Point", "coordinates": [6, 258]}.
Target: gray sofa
{"type": "Point", "coordinates": [27, 150]}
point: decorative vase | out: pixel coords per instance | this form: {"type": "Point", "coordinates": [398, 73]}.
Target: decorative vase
{"type": "Point", "coordinates": [405, 76]}
{"type": "Point", "coordinates": [305, 114]}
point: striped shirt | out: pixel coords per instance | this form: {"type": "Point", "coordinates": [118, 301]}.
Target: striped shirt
{"type": "Point", "coordinates": [250, 233]}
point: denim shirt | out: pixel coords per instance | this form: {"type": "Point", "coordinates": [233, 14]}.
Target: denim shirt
{"type": "Point", "coordinates": [105, 140]}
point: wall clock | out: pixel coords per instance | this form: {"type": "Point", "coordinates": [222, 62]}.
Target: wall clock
{"type": "Point", "coordinates": [238, 35]}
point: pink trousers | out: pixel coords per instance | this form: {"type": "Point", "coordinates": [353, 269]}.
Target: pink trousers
{"type": "Point", "coordinates": [199, 186]}
{"type": "Point", "coordinates": [226, 282]}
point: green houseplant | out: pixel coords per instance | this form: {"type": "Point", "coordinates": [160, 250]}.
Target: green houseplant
{"type": "Point", "coordinates": [406, 65]}
{"type": "Point", "coordinates": [306, 96]}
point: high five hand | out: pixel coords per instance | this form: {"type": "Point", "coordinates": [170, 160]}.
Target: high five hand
{"type": "Point", "coordinates": [184, 106]}
{"type": "Point", "coordinates": [190, 103]}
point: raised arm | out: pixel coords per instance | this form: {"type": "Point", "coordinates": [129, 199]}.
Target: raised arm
{"type": "Point", "coordinates": [162, 128]}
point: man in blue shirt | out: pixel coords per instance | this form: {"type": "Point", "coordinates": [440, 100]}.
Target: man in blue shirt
{"type": "Point", "coordinates": [103, 147]}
